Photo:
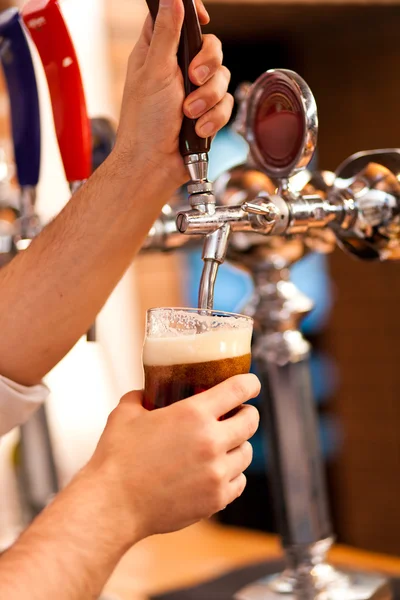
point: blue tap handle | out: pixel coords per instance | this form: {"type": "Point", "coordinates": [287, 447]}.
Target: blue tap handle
{"type": "Point", "coordinates": [16, 60]}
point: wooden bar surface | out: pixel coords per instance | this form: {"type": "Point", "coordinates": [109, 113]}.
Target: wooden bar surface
{"type": "Point", "coordinates": [208, 550]}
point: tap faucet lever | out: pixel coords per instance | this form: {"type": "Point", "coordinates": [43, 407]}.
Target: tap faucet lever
{"type": "Point", "coordinates": [194, 151]}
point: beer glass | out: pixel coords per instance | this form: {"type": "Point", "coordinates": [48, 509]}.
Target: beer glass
{"type": "Point", "coordinates": [187, 351]}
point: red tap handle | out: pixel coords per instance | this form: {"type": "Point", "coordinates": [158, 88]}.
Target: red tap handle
{"type": "Point", "coordinates": [189, 46]}
{"type": "Point", "coordinates": [45, 22]}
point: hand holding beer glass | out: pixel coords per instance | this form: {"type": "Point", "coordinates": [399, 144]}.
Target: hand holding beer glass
{"type": "Point", "coordinates": [188, 351]}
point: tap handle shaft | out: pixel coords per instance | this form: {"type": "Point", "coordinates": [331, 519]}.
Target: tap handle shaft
{"type": "Point", "coordinates": [189, 46]}
{"type": "Point", "coordinates": [50, 33]}
{"type": "Point", "coordinates": [17, 64]}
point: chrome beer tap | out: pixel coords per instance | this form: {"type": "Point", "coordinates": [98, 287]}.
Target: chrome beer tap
{"type": "Point", "coordinates": [204, 218]}
{"type": "Point", "coordinates": [295, 210]}
{"type": "Point", "coordinates": [278, 118]}
{"type": "Point", "coordinates": [194, 151]}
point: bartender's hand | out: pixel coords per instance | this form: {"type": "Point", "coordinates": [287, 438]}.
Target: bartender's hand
{"type": "Point", "coordinates": [152, 114]}
{"type": "Point", "coordinates": [152, 472]}
{"type": "Point", "coordinates": [174, 466]}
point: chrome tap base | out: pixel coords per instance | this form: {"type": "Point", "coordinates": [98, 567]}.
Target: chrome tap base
{"type": "Point", "coordinates": [341, 585]}
{"type": "Point", "coordinates": [281, 354]}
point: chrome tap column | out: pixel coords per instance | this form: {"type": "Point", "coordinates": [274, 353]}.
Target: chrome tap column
{"type": "Point", "coordinates": [279, 120]}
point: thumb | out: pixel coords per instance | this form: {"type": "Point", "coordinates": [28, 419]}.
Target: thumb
{"type": "Point", "coordinates": [167, 31]}
{"type": "Point", "coordinates": [134, 399]}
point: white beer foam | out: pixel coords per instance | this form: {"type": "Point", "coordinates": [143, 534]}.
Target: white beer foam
{"type": "Point", "coordinates": [215, 344]}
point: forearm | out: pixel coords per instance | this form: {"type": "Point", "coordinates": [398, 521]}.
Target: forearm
{"type": "Point", "coordinates": [71, 549]}
{"type": "Point", "coordinates": [52, 292]}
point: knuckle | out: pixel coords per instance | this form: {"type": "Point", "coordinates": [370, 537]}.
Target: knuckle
{"type": "Point", "coordinates": [242, 482]}
{"type": "Point", "coordinates": [213, 51]}
{"type": "Point", "coordinates": [238, 389]}
{"type": "Point", "coordinates": [214, 97]}
{"type": "Point", "coordinates": [112, 417]}
{"type": "Point", "coordinates": [216, 475]}
{"type": "Point", "coordinates": [217, 500]}
{"type": "Point", "coordinates": [253, 419]}
{"type": "Point", "coordinates": [208, 447]}
{"type": "Point", "coordinates": [192, 411]}
{"type": "Point", "coordinates": [214, 42]}
{"type": "Point", "coordinates": [247, 452]}
{"type": "Point", "coordinates": [226, 73]}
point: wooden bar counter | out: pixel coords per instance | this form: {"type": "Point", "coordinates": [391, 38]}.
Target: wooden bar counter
{"type": "Point", "coordinates": [208, 550]}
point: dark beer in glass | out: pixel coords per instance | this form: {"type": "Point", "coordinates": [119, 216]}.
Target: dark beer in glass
{"type": "Point", "coordinates": [188, 351]}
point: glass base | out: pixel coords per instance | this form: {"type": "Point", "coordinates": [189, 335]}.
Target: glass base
{"type": "Point", "coordinates": [322, 583]}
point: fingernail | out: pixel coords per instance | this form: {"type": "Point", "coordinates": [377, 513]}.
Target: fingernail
{"type": "Point", "coordinates": [201, 73]}
{"type": "Point", "coordinates": [207, 129]}
{"type": "Point", "coordinates": [165, 3]}
{"type": "Point", "coordinates": [197, 108]}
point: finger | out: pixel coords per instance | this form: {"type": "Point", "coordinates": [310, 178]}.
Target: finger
{"type": "Point", "coordinates": [216, 118]}
{"type": "Point", "coordinates": [236, 488]}
{"type": "Point", "coordinates": [167, 30]}
{"type": "Point", "coordinates": [141, 49]}
{"type": "Point", "coordinates": [208, 95]}
{"type": "Point", "coordinates": [202, 13]}
{"type": "Point", "coordinates": [230, 394]}
{"type": "Point", "coordinates": [134, 398]}
{"type": "Point", "coordinates": [239, 459]}
{"type": "Point", "coordinates": [241, 427]}
{"type": "Point", "coordinates": [207, 62]}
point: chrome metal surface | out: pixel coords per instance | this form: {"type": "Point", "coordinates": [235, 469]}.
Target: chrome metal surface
{"type": "Point", "coordinates": [197, 165]}
{"type": "Point", "coordinates": [200, 188]}
{"type": "Point", "coordinates": [207, 284]}
{"type": "Point", "coordinates": [74, 186]}
{"type": "Point", "coordinates": [286, 86]}
{"type": "Point", "coordinates": [368, 187]}
{"type": "Point", "coordinates": [281, 356]}
{"type": "Point", "coordinates": [28, 225]}
{"type": "Point", "coordinates": [346, 585]}
{"type": "Point", "coordinates": [214, 253]}
{"type": "Point", "coordinates": [8, 222]}
{"type": "Point", "coordinates": [37, 472]}
{"type": "Point", "coordinates": [294, 210]}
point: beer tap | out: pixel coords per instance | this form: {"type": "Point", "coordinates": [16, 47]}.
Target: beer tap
{"type": "Point", "coordinates": [279, 121]}
{"type": "Point", "coordinates": [204, 218]}
{"type": "Point", "coordinates": [194, 150]}
{"type": "Point", "coordinates": [295, 210]}
{"type": "Point", "coordinates": [47, 27]}
{"type": "Point", "coordinates": [20, 78]}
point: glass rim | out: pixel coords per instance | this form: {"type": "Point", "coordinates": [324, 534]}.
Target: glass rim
{"type": "Point", "coordinates": [211, 312]}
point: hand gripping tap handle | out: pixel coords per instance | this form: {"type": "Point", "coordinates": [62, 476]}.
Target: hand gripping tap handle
{"type": "Point", "coordinates": [49, 31]}
{"type": "Point", "coordinates": [16, 60]}
{"type": "Point", "coordinates": [189, 46]}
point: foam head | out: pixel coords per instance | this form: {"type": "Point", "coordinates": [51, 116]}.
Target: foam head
{"type": "Point", "coordinates": [185, 336]}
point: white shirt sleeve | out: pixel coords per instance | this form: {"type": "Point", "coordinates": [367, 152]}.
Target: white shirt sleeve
{"type": "Point", "coordinates": [18, 402]}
